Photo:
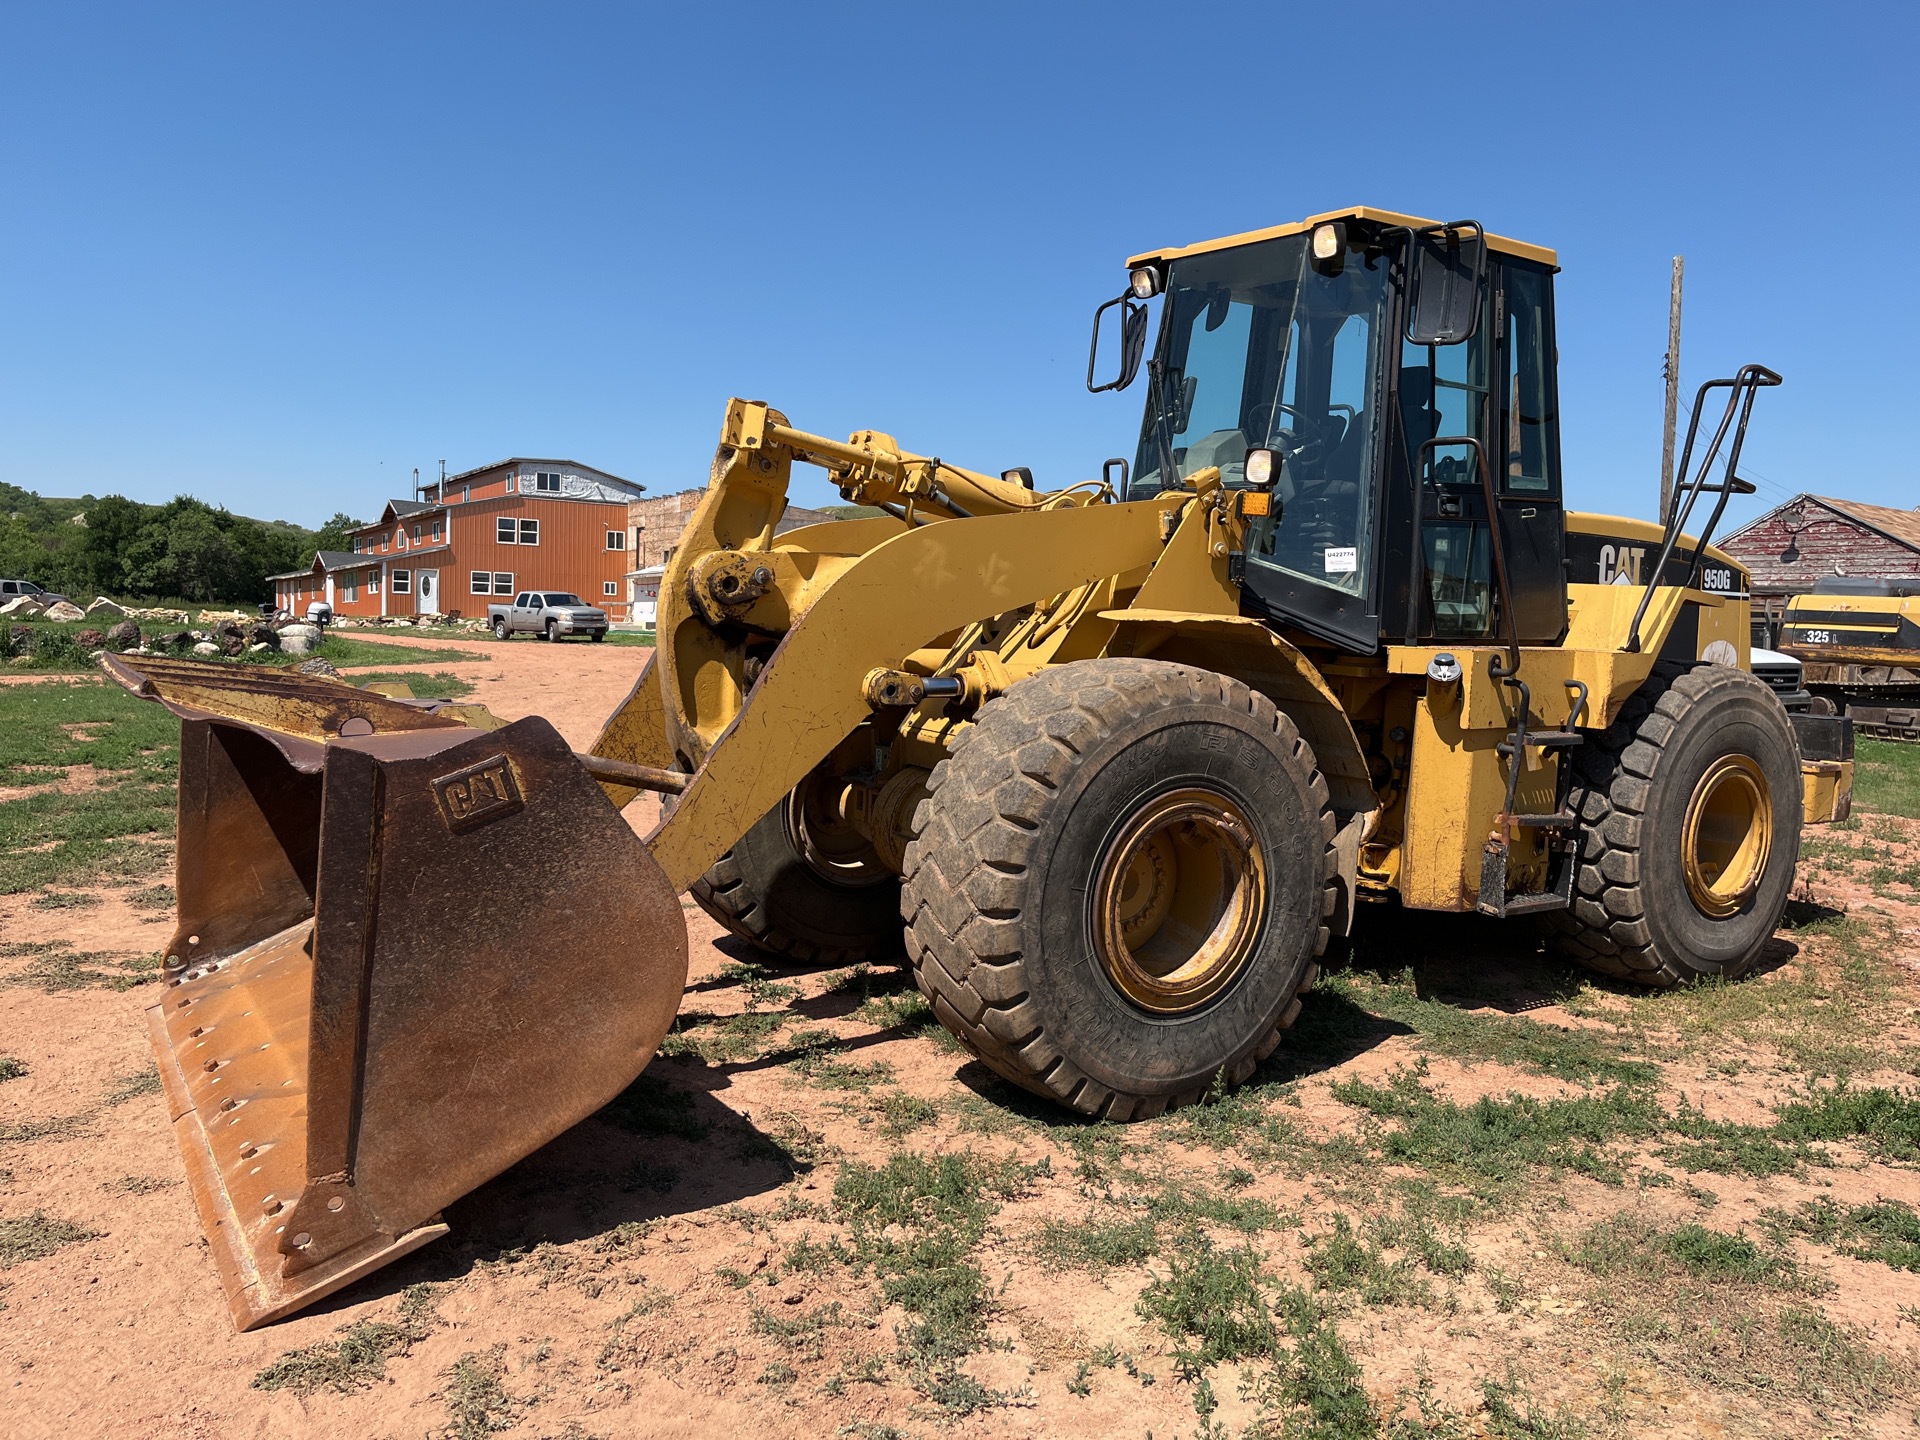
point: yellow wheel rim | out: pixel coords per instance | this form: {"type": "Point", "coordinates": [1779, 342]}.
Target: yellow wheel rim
{"type": "Point", "coordinates": [832, 846]}
{"type": "Point", "coordinates": [1728, 835]}
{"type": "Point", "coordinates": [1177, 900]}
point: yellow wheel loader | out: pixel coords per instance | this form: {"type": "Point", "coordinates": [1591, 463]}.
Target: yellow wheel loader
{"type": "Point", "coordinates": [1110, 763]}
{"type": "Point", "coordinates": [1859, 640]}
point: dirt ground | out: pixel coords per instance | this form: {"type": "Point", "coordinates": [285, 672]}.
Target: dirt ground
{"type": "Point", "coordinates": [816, 1216]}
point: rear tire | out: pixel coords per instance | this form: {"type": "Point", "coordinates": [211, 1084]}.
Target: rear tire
{"type": "Point", "coordinates": [1690, 813]}
{"type": "Point", "coordinates": [792, 899]}
{"type": "Point", "coordinates": [1120, 881]}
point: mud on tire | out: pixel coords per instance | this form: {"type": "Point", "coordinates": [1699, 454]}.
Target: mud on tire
{"type": "Point", "coordinates": [1001, 880]}
{"type": "Point", "coordinates": [1633, 916]}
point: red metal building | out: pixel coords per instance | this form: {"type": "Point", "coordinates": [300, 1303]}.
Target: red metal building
{"type": "Point", "coordinates": [478, 537]}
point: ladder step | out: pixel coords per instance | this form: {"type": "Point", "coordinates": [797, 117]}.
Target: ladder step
{"type": "Point", "coordinates": [1563, 821]}
{"type": "Point", "coordinates": [1545, 740]}
{"type": "Point", "coordinates": [1532, 904]}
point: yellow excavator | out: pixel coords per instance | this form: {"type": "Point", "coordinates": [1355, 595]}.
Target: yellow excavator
{"type": "Point", "coordinates": [1107, 765]}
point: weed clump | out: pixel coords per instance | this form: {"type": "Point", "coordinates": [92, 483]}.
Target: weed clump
{"type": "Point", "coordinates": [1886, 1231]}
{"type": "Point", "coordinates": [359, 1357]}
{"type": "Point", "coordinates": [915, 1222]}
{"type": "Point", "coordinates": [36, 1236]}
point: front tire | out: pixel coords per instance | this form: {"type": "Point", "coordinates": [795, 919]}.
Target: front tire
{"type": "Point", "coordinates": [553, 633]}
{"type": "Point", "coordinates": [500, 631]}
{"type": "Point", "coordinates": [1690, 812]}
{"type": "Point", "coordinates": [1121, 880]}
{"type": "Point", "coordinates": [803, 886]}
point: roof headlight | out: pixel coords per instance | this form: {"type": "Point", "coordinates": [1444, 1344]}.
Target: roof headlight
{"type": "Point", "coordinates": [1144, 281]}
{"type": "Point", "coordinates": [1262, 468]}
{"type": "Point", "coordinates": [1329, 248]}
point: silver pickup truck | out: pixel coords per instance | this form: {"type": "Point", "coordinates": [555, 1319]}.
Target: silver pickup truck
{"type": "Point", "coordinates": [552, 614]}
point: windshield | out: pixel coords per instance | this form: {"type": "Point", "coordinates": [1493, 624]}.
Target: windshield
{"type": "Point", "coordinates": [564, 600]}
{"type": "Point", "coordinates": [1260, 349]}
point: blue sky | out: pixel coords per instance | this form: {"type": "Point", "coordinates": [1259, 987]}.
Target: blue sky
{"type": "Point", "coordinates": [276, 257]}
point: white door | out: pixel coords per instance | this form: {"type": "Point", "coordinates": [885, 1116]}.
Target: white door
{"type": "Point", "coordinates": [426, 592]}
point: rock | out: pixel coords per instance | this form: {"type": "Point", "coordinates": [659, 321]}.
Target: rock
{"type": "Point", "coordinates": [123, 636]}
{"type": "Point", "coordinates": [179, 640]}
{"type": "Point", "coordinates": [206, 647]}
{"type": "Point", "coordinates": [105, 609]}
{"type": "Point", "coordinates": [22, 660]}
{"type": "Point", "coordinates": [65, 611]}
{"type": "Point", "coordinates": [316, 666]}
{"type": "Point", "coordinates": [233, 644]}
{"type": "Point", "coordinates": [23, 607]}
{"type": "Point", "coordinates": [295, 643]}
{"type": "Point", "coordinates": [19, 641]}
{"type": "Point", "coordinates": [90, 640]}
{"type": "Point", "coordinates": [264, 637]}
{"type": "Point", "coordinates": [258, 649]}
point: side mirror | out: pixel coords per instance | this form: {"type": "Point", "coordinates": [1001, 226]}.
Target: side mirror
{"type": "Point", "coordinates": [1132, 322]}
{"type": "Point", "coordinates": [1447, 278]}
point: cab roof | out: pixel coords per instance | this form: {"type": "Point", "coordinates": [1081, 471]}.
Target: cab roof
{"type": "Point", "coordinates": [1359, 212]}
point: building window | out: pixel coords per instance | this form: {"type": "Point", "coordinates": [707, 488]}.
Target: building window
{"type": "Point", "coordinates": [354, 544]}
{"type": "Point", "coordinates": [547, 481]}
{"type": "Point", "coordinates": [350, 591]}
{"type": "Point", "coordinates": [610, 587]}
{"type": "Point", "coordinates": [373, 582]}
{"type": "Point", "coordinates": [529, 532]}
{"type": "Point", "coordinates": [505, 531]}
{"type": "Point", "coordinates": [416, 534]}
{"type": "Point", "coordinates": [616, 539]}
{"type": "Point", "coordinates": [466, 493]}
{"type": "Point", "coordinates": [402, 581]}
{"type": "Point", "coordinates": [480, 582]}
{"type": "Point", "coordinates": [502, 582]}
{"type": "Point", "coordinates": [436, 532]}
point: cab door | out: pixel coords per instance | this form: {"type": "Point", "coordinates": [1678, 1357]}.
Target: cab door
{"type": "Point", "coordinates": [1525, 452]}
{"type": "Point", "coordinates": [1495, 388]}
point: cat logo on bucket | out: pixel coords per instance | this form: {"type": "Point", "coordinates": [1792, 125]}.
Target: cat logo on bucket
{"type": "Point", "coordinates": [478, 795]}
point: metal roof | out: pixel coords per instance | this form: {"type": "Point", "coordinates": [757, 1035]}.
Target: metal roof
{"type": "Point", "coordinates": [1359, 212]}
{"type": "Point", "coordinates": [530, 460]}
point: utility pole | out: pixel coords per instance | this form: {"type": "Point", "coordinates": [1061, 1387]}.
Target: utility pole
{"type": "Point", "coordinates": [1673, 389]}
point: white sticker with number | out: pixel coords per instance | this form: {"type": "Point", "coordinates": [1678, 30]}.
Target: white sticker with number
{"type": "Point", "coordinates": [1342, 559]}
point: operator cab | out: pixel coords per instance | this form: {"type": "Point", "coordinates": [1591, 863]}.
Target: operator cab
{"type": "Point", "coordinates": [1347, 346]}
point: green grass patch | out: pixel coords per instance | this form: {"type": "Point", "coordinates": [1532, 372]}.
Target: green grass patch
{"type": "Point", "coordinates": [1214, 1304]}
{"type": "Point", "coordinates": [1886, 776]}
{"type": "Point", "coordinates": [49, 837]}
{"type": "Point", "coordinates": [915, 1222]}
{"type": "Point", "coordinates": [54, 966]}
{"type": "Point", "coordinates": [359, 1357]}
{"type": "Point", "coordinates": [441, 685]}
{"type": "Point", "coordinates": [1099, 1241]}
{"type": "Point", "coordinates": [344, 650]}
{"type": "Point", "coordinates": [11, 1067]}
{"type": "Point", "coordinates": [36, 1236]}
{"type": "Point", "coordinates": [477, 1401]}
{"type": "Point", "coordinates": [1445, 1028]}
{"type": "Point", "coordinates": [1884, 1122]}
{"type": "Point", "coordinates": [1491, 1145]}
{"type": "Point", "coordinates": [721, 1039]}
{"type": "Point", "coordinates": [1716, 1309]}
{"type": "Point", "coordinates": [1887, 1231]}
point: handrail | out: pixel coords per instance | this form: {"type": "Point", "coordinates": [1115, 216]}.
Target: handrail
{"type": "Point", "coordinates": [1503, 593]}
{"type": "Point", "coordinates": [1742, 389]}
